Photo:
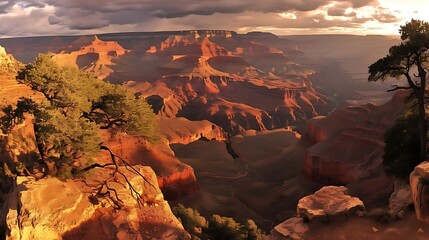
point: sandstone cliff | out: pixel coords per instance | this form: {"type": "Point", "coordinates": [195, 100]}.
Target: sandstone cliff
{"type": "Point", "coordinates": [8, 64]}
{"type": "Point", "coordinates": [348, 144]}
{"type": "Point", "coordinates": [97, 57]}
{"type": "Point", "coordinates": [181, 130]}
{"type": "Point", "coordinates": [54, 209]}
{"type": "Point", "coordinates": [174, 177]}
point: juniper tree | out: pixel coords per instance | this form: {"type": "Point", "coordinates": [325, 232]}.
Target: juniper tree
{"type": "Point", "coordinates": [76, 106]}
{"type": "Point", "coordinates": [409, 60]}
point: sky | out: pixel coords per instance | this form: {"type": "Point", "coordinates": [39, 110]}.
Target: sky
{"type": "Point", "coordinates": [282, 17]}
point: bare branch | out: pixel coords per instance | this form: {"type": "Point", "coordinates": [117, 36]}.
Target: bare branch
{"type": "Point", "coordinates": [104, 190]}
{"type": "Point", "coordinates": [396, 87]}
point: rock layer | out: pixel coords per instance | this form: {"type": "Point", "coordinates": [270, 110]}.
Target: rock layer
{"type": "Point", "coordinates": [348, 144]}
{"type": "Point", "coordinates": [174, 177]}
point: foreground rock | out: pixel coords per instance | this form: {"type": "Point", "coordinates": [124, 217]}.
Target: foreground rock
{"type": "Point", "coordinates": [400, 200]}
{"type": "Point", "coordinates": [291, 229]}
{"type": "Point", "coordinates": [329, 203]}
{"type": "Point", "coordinates": [52, 209]}
{"type": "Point", "coordinates": [419, 182]}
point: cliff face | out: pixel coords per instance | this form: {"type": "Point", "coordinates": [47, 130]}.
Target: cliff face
{"type": "Point", "coordinates": [174, 177]}
{"type": "Point", "coordinates": [181, 130]}
{"type": "Point", "coordinates": [348, 144]}
{"type": "Point", "coordinates": [97, 57]}
{"type": "Point", "coordinates": [8, 63]}
{"type": "Point", "coordinates": [235, 83]}
{"type": "Point", "coordinates": [53, 209]}
{"type": "Point", "coordinates": [10, 89]}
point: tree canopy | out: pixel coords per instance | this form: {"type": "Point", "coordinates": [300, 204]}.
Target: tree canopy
{"type": "Point", "coordinates": [409, 60]}
{"type": "Point", "coordinates": [76, 106]}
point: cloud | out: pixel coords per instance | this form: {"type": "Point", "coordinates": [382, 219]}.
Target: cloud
{"type": "Point", "coordinates": [385, 16]}
{"type": "Point", "coordinates": [81, 16]}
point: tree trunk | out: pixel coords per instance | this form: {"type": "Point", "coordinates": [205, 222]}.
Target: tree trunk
{"type": "Point", "coordinates": [422, 132]}
{"type": "Point", "coordinates": [422, 120]}
{"type": "Point", "coordinates": [39, 143]}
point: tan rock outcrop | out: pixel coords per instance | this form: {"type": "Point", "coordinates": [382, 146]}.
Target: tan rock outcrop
{"type": "Point", "coordinates": [181, 130]}
{"type": "Point", "coordinates": [8, 63]}
{"type": "Point", "coordinates": [291, 229]}
{"type": "Point", "coordinates": [329, 203]}
{"type": "Point", "coordinates": [419, 182]}
{"type": "Point", "coordinates": [54, 209]}
{"type": "Point", "coordinates": [400, 200]}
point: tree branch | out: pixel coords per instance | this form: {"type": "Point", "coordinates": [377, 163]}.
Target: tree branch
{"type": "Point", "coordinates": [104, 190]}
{"type": "Point", "coordinates": [396, 87]}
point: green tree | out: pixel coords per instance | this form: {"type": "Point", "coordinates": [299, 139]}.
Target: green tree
{"type": "Point", "coordinates": [76, 106]}
{"type": "Point", "coordinates": [409, 60]}
{"type": "Point", "coordinates": [402, 145]}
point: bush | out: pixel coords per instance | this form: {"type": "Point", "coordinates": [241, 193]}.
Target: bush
{"type": "Point", "coordinates": [217, 227]}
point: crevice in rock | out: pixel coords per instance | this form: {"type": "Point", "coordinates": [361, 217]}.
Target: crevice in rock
{"type": "Point", "coordinates": [230, 150]}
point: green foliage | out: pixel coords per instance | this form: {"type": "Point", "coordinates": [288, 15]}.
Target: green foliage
{"type": "Point", "coordinates": [191, 219]}
{"type": "Point", "coordinates": [409, 59]}
{"type": "Point", "coordinates": [76, 106]}
{"type": "Point", "coordinates": [411, 52]}
{"type": "Point", "coordinates": [217, 227]}
{"type": "Point", "coordinates": [401, 153]}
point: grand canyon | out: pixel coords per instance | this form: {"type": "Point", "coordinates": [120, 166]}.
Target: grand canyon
{"type": "Point", "coordinates": [285, 131]}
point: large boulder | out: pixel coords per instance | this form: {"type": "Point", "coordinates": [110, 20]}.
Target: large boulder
{"type": "Point", "coordinates": [419, 182]}
{"type": "Point", "coordinates": [329, 203]}
{"type": "Point", "coordinates": [54, 209]}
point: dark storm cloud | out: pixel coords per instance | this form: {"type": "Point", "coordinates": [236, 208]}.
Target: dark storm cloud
{"type": "Point", "coordinates": [151, 15]}
{"type": "Point", "coordinates": [70, 13]}
{"type": "Point", "coordinates": [5, 6]}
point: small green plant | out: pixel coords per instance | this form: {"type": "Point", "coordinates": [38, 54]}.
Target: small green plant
{"type": "Point", "coordinates": [217, 227]}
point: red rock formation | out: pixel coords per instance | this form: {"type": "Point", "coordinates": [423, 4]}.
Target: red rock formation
{"type": "Point", "coordinates": [183, 131]}
{"type": "Point", "coordinates": [174, 177]}
{"type": "Point", "coordinates": [348, 144]}
{"type": "Point", "coordinates": [253, 85]}
{"type": "Point", "coordinates": [96, 57]}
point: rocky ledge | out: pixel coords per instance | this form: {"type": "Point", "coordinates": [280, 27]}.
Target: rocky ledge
{"type": "Point", "coordinates": [54, 209]}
